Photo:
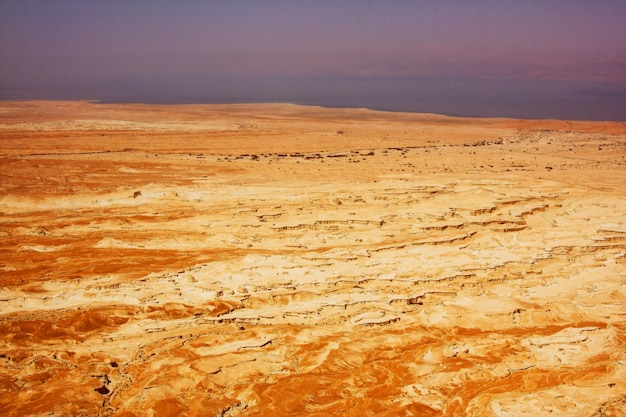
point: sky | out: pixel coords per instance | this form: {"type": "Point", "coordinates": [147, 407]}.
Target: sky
{"type": "Point", "coordinates": [192, 48]}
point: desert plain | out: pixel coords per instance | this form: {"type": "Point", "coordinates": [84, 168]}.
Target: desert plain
{"type": "Point", "coordinates": [285, 260]}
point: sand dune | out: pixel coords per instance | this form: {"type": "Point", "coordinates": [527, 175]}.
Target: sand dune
{"type": "Point", "coordinates": [285, 260]}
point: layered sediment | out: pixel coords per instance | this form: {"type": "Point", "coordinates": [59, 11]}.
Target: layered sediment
{"type": "Point", "coordinates": [285, 260]}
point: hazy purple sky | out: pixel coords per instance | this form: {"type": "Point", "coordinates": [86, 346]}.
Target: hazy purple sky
{"type": "Point", "coordinates": [69, 44]}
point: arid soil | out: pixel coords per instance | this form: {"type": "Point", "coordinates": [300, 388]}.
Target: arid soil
{"type": "Point", "coordinates": [280, 260]}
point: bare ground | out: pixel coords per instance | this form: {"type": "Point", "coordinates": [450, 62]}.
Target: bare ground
{"type": "Point", "coordinates": [284, 260]}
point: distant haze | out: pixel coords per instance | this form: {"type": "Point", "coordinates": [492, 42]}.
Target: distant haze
{"type": "Point", "coordinates": [531, 59]}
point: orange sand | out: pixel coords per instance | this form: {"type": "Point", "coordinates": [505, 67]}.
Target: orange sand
{"type": "Point", "coordinates": [283, 260]}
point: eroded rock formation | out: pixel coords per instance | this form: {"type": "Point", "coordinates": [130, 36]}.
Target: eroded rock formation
{"type": "Point", "coordinates": [248, 260]}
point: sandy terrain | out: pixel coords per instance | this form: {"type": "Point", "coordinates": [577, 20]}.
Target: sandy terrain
{"type": "Point", "coordinates": [278, 260]}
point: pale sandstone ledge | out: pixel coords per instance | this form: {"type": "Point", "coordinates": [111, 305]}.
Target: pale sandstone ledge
{"type": "Point", "coordinates": [288, 260]}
